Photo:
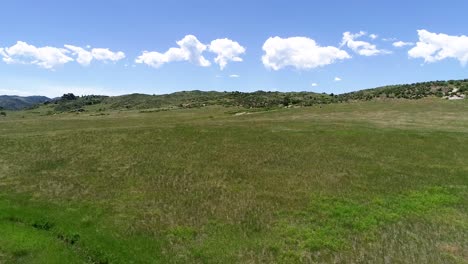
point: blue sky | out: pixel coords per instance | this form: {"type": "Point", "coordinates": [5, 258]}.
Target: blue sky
{"type": "Point", "coordinates": [302, 43]}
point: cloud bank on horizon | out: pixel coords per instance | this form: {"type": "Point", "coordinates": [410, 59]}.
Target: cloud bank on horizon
{"type": "Point", "coordinates": [299, 52]}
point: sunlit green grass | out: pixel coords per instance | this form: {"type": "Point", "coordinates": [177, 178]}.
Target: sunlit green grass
{"type": "Point", "coordinates": [321, 184]}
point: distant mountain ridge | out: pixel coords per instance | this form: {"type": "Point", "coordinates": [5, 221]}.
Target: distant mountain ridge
{"type": "Point", "coordinates": [14, 102]}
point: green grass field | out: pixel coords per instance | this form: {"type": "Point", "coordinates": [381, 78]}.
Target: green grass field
{"type": "Point", "coordinates": [364, 182]}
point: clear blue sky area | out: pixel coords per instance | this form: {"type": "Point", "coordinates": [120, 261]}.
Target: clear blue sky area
{"type": "Point", "coordinates": [271, 45]}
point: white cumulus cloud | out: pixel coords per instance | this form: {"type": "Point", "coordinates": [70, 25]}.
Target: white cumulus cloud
{"type": "Point", "coordinates": [84, 57]}
{"type": "Point", "coordinates": [314, 84]}
{"type": "Point", "coordinates": [361, 47]}
{"type": "Point", "coordinates": [234, 76]}
{"type": "Point", "coordinates": [51, 57]}
{"type": "Point", "coordinates": [107, 55]}
{"type": "Point", "coordinates": [400, 44]}
{"type": "Point", "coordinates": [44, 57]}
{"type": "Point", "coordinates": [299, 52]}
{"type": "Point", "coordinates": [227, 50]}
{"type": "Point", "coordinates": [373, 36]}
{"type": "Point", "coordinates": [434, 47]}
{"type": "Point", "coordinates": [190, 49]}
{"type": "Point", "coordinates": [337, 79]}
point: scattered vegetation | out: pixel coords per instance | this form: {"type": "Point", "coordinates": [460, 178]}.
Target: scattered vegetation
{"type": "Point", "coordinates": [259, 99]}
{"type": "Point", "coordinates": [71, 103]}
{"type": "Point", "coordinates": [410, 91]}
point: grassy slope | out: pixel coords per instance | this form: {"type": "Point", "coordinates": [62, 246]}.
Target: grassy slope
{"type": "Point", "coordinates": [371, 181]}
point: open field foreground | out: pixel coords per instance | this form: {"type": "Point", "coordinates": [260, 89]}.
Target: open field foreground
{"type": "Point", "coordinates": [365, 182]}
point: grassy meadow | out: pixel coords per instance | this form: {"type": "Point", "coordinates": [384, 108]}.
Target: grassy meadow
{"type": "Point", "coordinates": [364, 182]}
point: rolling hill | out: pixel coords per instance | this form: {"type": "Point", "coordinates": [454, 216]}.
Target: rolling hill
{"type": "Point", "coordinates": [258, 99]}
{"type": "Point", "coordinates": [453, 89]}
